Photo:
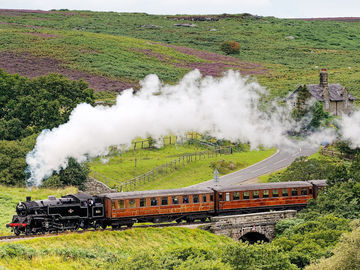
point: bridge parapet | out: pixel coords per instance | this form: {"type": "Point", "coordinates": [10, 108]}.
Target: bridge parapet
{"type": "Point", "coordinates": [249, 225]}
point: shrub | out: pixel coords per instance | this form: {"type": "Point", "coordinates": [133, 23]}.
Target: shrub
{"type": "Point", "coordinates": [230, 47]}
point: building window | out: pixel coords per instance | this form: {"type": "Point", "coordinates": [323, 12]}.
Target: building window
{"type": "Point", "coordinates": [285, 192]}
{"type": "Point", "coordinates": [303, 191]}
{"type": "Point", "coordinates": [143, 202]}
{"type": "Point", "coordinates": [153, 202]}
{"type": "Point", "coordinates": [164, 201]}
{"type": "Point", "coordinates": [236, 196]}
{"type": "Point", "coordinates": [266, 193]}
{"type": "Point", "coordinates": [132, 203]}
{"type": "Point", "coordinates": [275, 193]}
{"type": "Point", "coordinates": [196, 199]}
{"type": "Point", "coordinates": [294, 192]}
{"type": "Point", "coordinates": [246, 195]}
{"type": "Point", "coordinates": [175, 200]}
{"type": "Point", "coordinates": [255, 194]}
{"type": "Point", "coordinates": [185, 199]}
{"type": "Point", "coordinates": [204, 198]}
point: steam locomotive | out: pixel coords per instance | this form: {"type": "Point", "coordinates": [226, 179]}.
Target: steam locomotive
{"type": "Point", "coordinates": [75, 211]}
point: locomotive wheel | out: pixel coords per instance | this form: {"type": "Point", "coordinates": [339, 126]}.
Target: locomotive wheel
{"type": "Point", "coordinates": [130, 225]}
{"type": "Point", "coordinates": [103, 226]}
{"type": "Point", "coordinates": [203, 219]}
{"type": "Point", "coordinates": [178, 220]}
{"type": "Point", "coordinates": [27, 231]}
{"type": "Point", "coordinates": [16, 231]}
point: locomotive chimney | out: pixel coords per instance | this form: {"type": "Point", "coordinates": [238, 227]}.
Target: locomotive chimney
{"type": "Point", "coordinates": [323, 78]}
{"type": "Point", "coordinates": [28, 199]}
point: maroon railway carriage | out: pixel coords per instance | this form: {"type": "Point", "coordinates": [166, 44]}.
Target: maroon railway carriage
{"type": "Point", "coordinates": [126, 208]}
{"type": "Point", "coordinates": [264, 197]}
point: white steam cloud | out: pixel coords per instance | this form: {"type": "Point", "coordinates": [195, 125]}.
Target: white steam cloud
{"type": "Point", "coordinates": [350, 126]}
{"type": "Point", "coordinates": [225, 107]}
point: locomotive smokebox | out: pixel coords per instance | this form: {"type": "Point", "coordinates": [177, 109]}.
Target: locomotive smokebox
{"type": "Point", "coordinates": [28, 199]}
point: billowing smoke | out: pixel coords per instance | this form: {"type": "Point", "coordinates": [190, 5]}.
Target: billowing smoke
{"type": "Point", "coordinates": [350, 127]}
{"type": "Point", "coordinates": [225, 107]}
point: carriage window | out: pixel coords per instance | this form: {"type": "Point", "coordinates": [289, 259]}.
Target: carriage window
{"type": "Point", "coordinates": [255, 194]}
{"type": "Point", "coordinates": [310, 190]}
{"type": "Point", "coordinates": [143, 202]}
{"type": "Point", "coordinates": [185, 199]}
{"type": "Point", "coordinates": [220, 196]}
{"type": "Point", "coordinates": [153, 202]}
{"type": "Point", "coordinates": [204, 198]}
{"type": "Point", "coordinates": [246, 195]}
{"type": "Point", "coordinates": [227, 196]}
{"type": "Point", "coordinates": [236, 196]}
{"type": "Point", "coordinates": [294, 192]}
{"type": "Point", "coordinates": [275, 193]}
{"type": "Point", "coordinates": [211, 197]}
{"type": "Point", "coordinates": [266, 193]}
{"type": "Point", "coordinates": [132, 203]}
{"type": "Point", "coordinates": [113, 205]}
{"type": "Point", "coordinates": [196, 199]}
{"type": "Point", "coordinates": [121, 204]}
{"type": "Point", "coordinates": [164, 201]}
{"type": "Point", "coordinates": [175, 200]}
{"type": "Point", "coordinates": [285, 192]}
{"type": "Point", "coordinates": [303, 191]}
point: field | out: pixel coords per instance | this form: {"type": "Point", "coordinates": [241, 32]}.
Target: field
{"type": "Point", "coordinates": [108, 250]}
{"type": "Point", "coordinates": [114, 50]}
{"type": "Point", "coordinates": [122, 167]}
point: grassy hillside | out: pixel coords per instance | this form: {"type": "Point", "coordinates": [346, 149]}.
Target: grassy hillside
{"type": "Point", "coordinates": [121, 167]}
{"type": "Point", "coordinates": [127, 46]}
{"type": "Point", "coordinates": [110, 250]}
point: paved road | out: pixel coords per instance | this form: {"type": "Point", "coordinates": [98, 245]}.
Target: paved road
{"type": "Point", "coordinates": [281, 159]}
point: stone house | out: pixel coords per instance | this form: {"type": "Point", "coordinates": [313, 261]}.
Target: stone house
{"type": "Point", "coordinates": [335, 98]}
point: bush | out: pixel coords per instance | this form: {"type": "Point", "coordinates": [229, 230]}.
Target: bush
{"type": "Point", "coordinates": [230, 47]}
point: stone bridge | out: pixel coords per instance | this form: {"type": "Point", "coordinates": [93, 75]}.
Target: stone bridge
{"type": "Point", "coordinates": [249, 227]}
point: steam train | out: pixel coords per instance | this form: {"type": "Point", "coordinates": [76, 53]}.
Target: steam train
{"type": "Point", "coordinates": [75, 211]}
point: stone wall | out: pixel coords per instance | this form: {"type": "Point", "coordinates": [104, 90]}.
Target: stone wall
{"type": "Point", "coordinates": [236, 226]}
{"type": "Point", "coordinates": [94, 187]}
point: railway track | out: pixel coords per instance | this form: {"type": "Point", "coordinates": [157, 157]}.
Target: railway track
{"type": "Point", "coordinates": [10, 238]}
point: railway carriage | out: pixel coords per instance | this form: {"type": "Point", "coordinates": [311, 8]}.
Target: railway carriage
{"type": "Point", "coordinates": [156, 206]}
{"type": "Point", "coordinates": [263, 197]}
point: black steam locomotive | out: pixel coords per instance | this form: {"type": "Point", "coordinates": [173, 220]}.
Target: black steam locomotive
{"type": "Point", "coordinates": [69, 212]}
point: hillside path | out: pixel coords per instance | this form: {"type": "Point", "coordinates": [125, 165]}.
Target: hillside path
{"type": "Point", "coordinates": [281, 159]}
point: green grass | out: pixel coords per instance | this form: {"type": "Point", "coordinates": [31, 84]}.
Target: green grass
{"type": "Point", "coordinates": [201, 171]}
{"type": "Point", "coordinates": [11, 196]}
{"type": "Point", "coordinates": [123, 168]}
{"type": "Point", "coordinates": [104, 250]}
{"type": "Point", "coordinates": [109, 39]}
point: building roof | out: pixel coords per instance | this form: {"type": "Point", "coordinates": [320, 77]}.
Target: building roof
{"type": "Point", "coordinates": [335, 92]}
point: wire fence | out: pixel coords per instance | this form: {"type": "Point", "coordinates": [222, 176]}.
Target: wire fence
{"type": "Point", "coordinates": [166, 168]}
{"type": "Point", "coordinates": [170, 167]}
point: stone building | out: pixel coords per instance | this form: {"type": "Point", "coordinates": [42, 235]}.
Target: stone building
{"type": "Point", "coordinates": [335, 98]}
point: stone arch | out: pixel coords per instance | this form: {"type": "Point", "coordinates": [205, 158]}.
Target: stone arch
{"type": "Point", "coordinates": [253, 237]}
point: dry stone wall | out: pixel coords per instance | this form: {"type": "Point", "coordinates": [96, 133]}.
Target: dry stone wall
{"type": "Point", "coordinates": [94, 187]}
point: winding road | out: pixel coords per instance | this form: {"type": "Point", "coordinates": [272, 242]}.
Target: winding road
{"type": "Point", "coordinates": [281, 159]}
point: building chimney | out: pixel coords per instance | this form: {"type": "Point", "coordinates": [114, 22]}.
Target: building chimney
{"type": "Point", "coordinates": [323, 78]}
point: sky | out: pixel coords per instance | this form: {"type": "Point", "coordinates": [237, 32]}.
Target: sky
{"type": "Point", "coordinates": [277, 8]}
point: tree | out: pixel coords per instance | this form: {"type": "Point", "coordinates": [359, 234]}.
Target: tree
{"type": "Point", "coordinates": [75, 174]}
{"type": "Point", "coordinates": [28, 106]}
{"type": "Point", "coordinates": [230, 47]}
